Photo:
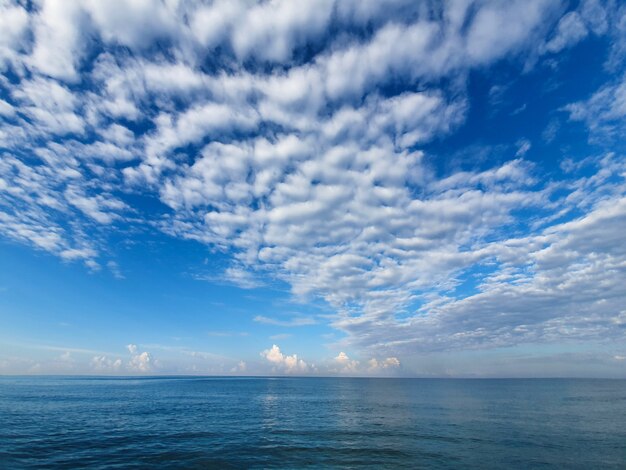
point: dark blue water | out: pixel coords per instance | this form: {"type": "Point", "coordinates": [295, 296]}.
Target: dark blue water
{"type": "Point", "coordinates": [301, 422]}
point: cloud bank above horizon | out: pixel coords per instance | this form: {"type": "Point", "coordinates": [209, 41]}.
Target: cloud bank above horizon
{"type": "Point", "coordinates": [313, 145]}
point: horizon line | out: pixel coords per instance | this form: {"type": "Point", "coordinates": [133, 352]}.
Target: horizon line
{"type": "Point", "coordinates": [189, 376]}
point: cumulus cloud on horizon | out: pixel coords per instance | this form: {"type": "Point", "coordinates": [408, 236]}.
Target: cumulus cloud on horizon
{"type": "Point", "coordinates": [285, 363]}
{"type": "Point", "coordinates": [342, 364]}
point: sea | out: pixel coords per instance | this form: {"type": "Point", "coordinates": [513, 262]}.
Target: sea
{"type": "Point", "coordinates": [266, 422]}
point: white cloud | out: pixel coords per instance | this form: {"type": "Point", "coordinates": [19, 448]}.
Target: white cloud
{"type": "Point", "coordinates": [375, 365]}
{"type": "Point", "coordinates": [50, 105]}
{"type": "Point", "coordinates": [346, 365]}
{"type": "Point", "coordinates": [134, 23]}
{"type": "Point", "coordinates": [570, 30]}
{"type": "Point", "coordinates": [595, 15]}
{"type": "Point", "coordinates": [271, 31]}
{"type": "Point", "coordinates": [141, 362]}
{"type": "Point", "coordinates": [500, 27]}
{"type": "Point", "coordinates": [342, 364]}
{"type": "Point", "coordinates": [32, 209]}
{"type": "Point", "coordinates": [604, 112]}
{"type": "Point", "coordinates": [96, 207]}
{"type": "Point", "coordinates": [563, 283]}
{"type": "Point", "coordinates": [6, 109]}
{"type": "Point", "coordinates": [59, 40]}
{"type": "Point", "coordinates": [284, 363]}
{"type": "Point", "coordinates": [115, 270]}
{"type": "Point", "coordinates": [574, 26]}
{"type": "Point", "coordinates": [242, 278]}
{"type": "Point", "coordinates": [105, 364]}
{"type": "Point", "coordinates": [524, 146]}
{"type": "Point", "coordinates": [13, 28]}
{"type": "Point", "coordinates": [75, 253]}
{"type": "Point", "coordinates": [211, 24]}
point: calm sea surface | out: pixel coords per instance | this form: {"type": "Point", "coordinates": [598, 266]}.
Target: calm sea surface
{"type": "Point", "coordinates": [311, 422]}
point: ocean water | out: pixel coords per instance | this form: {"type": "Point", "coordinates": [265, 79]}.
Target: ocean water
{"type": "Point", "coordinates": [71, 422]}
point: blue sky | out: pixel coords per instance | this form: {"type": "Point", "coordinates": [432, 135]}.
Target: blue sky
{"type": "Point", "coordinates": [315, 188]}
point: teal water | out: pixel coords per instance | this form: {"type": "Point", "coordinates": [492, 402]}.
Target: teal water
{"type": "Point", "coordinates": [74, 422]}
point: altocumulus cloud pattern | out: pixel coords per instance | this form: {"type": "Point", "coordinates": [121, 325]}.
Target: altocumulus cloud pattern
{"type": "Point", "coordinates": [323, 144]}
